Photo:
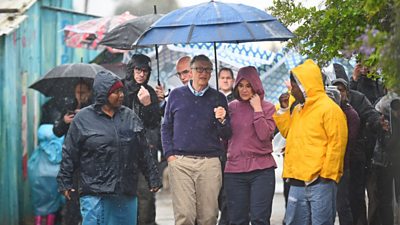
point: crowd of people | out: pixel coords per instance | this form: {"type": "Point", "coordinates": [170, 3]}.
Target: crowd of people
{"type": "Point", "coordinates": [341, 141]}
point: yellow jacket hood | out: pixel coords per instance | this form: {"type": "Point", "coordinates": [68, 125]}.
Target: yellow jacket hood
{"type": "Point", "coordinates": [309, 78]}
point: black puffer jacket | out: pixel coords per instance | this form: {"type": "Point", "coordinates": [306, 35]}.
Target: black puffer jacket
{"type": "Point", "coordinates": [109, 151]}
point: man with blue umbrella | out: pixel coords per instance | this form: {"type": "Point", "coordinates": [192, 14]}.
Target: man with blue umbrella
{"type": "Point", "coordinates": [195, 119]}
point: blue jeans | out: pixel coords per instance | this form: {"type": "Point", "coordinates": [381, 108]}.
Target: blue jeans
{"type": "Point", "coordinates": [249, 196]}
{"type": "Point", "coordinates": [109, 210]}
{"type": "Point", "coordinates": [315, 204]}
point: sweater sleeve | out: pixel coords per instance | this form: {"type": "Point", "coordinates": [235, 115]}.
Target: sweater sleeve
{"type": "Point", "coordinates": [224, 130]}
{"type": "Point", "coordinates": [167, 127]}
{"type": "Point", "coordinates": [263, 123]}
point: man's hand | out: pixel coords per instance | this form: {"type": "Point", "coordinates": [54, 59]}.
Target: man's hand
{"type": "Point", "coordinates": [255, 102]}
{"type": "Point", "coordinates": [358, 69]}
{"type": "Point", "coordinates": [67, 193]}
{"type": "Point", "coordinates": [144, 96]}
{"type": "Point", "coordinates": [284, 100]}
{"type": "Point", "coordinates": [384, 123]}
{"type": "Point", "coordinates": [171, 158]}
{"type": "Point", "coordinates": [160, 93]}
{"type": "Point", "coordinates": [220, 113]}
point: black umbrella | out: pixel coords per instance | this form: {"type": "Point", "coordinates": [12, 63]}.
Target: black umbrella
{"type": "Point", "coordinates": [122, 36]}
{"type": "Point", "coordinates": [61, 80]}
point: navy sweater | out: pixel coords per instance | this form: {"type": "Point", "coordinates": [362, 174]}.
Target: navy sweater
{"type": "Point", "coordinates": [190, 126]}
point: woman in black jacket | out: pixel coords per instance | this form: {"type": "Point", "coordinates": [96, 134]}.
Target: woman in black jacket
{"type": "Point", "coordinates": [106, 142]}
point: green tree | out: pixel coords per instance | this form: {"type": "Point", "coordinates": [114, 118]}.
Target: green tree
{"type": "Point", "coordinates": [343, 28]}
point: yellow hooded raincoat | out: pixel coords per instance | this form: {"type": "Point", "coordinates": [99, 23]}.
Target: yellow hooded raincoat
{"type": "Point", "coordinates": [315, 132]}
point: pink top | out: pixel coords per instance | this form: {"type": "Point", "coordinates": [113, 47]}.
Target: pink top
{"type": "Point", "coordinates": [250, 146]}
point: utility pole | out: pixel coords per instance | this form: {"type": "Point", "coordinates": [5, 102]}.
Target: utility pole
{"type": "Point", "coordinates": [86, 5]}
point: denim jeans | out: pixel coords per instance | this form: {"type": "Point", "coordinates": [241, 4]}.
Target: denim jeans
{"type": "Point", "coordinates": [109, 210]}
{"type": "Point", "coordinates": [315, 204]}
{"type": "Point", "coordinates": [250, 196]}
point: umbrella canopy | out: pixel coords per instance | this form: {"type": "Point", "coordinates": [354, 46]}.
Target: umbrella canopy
{"type": "Point", "coordinates": [61, 80]}
{"type": "Point", "coordinates": [215, 22]}
{"type": "Point", "coordinates": [124, 35]}
{"type": "Point", "coordinates": [89, 33]}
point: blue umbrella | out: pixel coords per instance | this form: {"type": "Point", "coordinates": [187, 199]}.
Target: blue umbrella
{"type": "Point", "coordinates": [215, 22]}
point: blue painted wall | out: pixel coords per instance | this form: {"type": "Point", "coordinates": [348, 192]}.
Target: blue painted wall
{"type": "Point", "coordinates": [26, 54]}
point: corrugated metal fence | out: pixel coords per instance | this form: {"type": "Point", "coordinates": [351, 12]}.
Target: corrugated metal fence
{"type": "Point", "coordinates": [25, 55]}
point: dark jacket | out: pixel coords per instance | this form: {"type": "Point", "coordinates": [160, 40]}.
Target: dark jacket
{"type": "Point", "coordinates": [150, 115]}
{"type": "Point", "coordinates": [109, 151]}
{"type": "Point", "coordinates": [60, 128]}
{"type": "Point", "coordinates": [51, 110]}
{"type": "Point", "coordinates": [372, 89]}
{"type": "Point", "coordinates": [369, 125]}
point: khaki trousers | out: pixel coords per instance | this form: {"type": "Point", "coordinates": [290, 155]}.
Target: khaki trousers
{"type": "Point", "coordinates": [195, 184]}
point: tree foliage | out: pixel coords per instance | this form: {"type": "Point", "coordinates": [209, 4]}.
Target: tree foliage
{"type": "Point", "coordinates": [346, 28]}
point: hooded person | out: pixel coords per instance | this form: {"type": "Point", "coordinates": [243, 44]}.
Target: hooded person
{"type": "Point", "coordinates": [250, 168]}
{"type": "Point", "coordinates": [105, 140]}
{"type": "Point", "coordinates": [316, 138]}
{"type": "Point", "coordinates": [139, 96]}
{"type": "Point", "coordinates": [142, 98]}
{"type": "Point", "coordinates": [344, 203]}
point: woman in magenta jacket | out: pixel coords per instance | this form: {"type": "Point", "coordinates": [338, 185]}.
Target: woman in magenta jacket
{"type": "Point", "coordinates": [249, 172]}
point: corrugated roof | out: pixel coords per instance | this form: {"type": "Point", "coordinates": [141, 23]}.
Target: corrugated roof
{"type": "Point", "coordinates": [12, 14]}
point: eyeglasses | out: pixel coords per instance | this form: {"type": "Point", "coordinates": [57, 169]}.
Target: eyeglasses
{"type": "Point", "coordinates": [139, 70]}
{"type": "Point", "coordinates": [202, 69]}
{"type": "Point", "coordinates": [182, 72]}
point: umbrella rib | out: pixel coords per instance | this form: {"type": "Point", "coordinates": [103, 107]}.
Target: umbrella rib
{"type": "Point", "coordinates": [245, 22]}
{"type": "Point", "coordinates": [190, 33]}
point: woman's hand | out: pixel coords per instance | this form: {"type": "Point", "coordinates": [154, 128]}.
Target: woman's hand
{"type": "Point", "coordinates": [255, 102]}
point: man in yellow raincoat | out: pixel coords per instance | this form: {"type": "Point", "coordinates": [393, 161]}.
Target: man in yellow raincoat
{"type": "Point", "coordinates": [316, 138]}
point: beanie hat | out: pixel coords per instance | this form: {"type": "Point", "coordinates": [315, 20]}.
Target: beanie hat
{"type": "Point", "coordinates": [118, 84]}
{"type": "Point", "coordinates": [341, 81]}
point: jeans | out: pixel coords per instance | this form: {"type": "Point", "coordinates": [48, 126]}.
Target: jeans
{"type": "Point", "coordinates": [108, 210]}
{"type": "Point", "coordinates": [250, 196]}
{"type": "Point", "coordinates": [315, 204]}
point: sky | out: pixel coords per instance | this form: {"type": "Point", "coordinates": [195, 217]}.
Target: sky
{"type": "Point", "coordinates": [106, 8]}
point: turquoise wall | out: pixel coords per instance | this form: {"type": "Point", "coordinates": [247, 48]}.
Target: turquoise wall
{"type": "Point", "coordinates": [26, 54]}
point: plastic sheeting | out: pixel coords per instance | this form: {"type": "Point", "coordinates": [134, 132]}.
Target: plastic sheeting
{"type": "Point", "coordinates": [43, 167]}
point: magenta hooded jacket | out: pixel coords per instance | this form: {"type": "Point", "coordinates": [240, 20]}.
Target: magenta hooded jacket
{"type": "Point", "coordinates": [250, 146]}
